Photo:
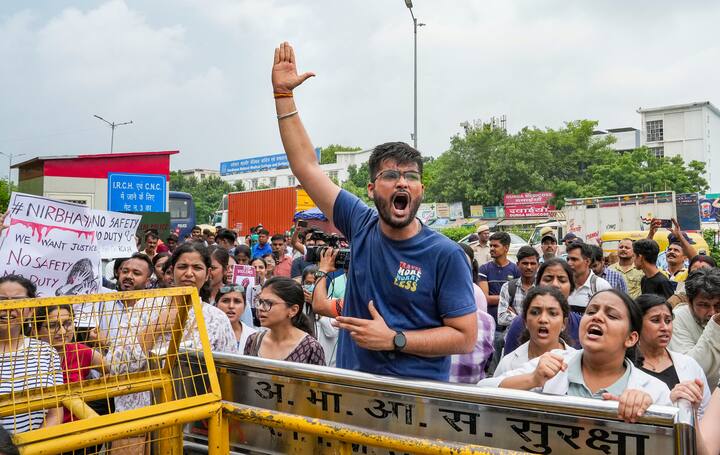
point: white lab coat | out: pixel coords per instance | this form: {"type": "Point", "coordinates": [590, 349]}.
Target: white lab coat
{"type": "Point", "coordinates": [688, 369]}
{"type": "Point", "coordinates": [559, 385]}
{"type": "Point", "coordinates": [518, 358]}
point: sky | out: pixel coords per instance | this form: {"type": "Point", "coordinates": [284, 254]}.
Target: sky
{"type": "Point", "coordinates": [194, 75]}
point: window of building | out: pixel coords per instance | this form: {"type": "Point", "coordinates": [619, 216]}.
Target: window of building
{"type": "Point", "coordinates": [659, 152]}
{"type": "Point", "coordinates": [272, 182]}
{"type": "Point", "coordinates": [654, 130]}
{"type": "Point", "coordinates": [291, 180]}
{"type": "Point", "coordinates": [254, 184]}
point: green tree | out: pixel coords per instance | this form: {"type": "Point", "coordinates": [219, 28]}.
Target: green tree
{"type": "Point", "coordinates": [327, 154]}
{"type": "Point", "coordinates": [484, 163]}
{"type": "Point", "coordinates": [358, 178]}
{"type": "Point", "coordinates": [5, 192]}
{"type": "Point", "coordinates": [207, 194]}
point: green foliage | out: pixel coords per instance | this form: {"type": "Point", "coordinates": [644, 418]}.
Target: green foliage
{"type": "Point", "coordinates": [457, 232]}
{"type": "Point", "coordinates": [484, 163]}
{"type": "Point", "coordinates": [5, 194]}
{"type": "Point", "coordinates": [327, 154]}
{"type": "Point", "coordinates": [207, 193]}
{"type": "Point", "coordinates": [358, 178]}
{"type": "Point", "coordinates": [711, 237]}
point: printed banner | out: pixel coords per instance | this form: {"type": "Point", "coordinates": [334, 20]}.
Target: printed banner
{"type": "Point", "coordinates": [709, 210]}
{"type": "Point", "coordinates": [53, 244]}
{"type": "Point", "coordinates": [528, 198]}
{"type": "Point", "coordinates": [524, 211]}
{"type": "Point", "coordinates": [115, 233]}
{"type": "Point", "coordinates": [244, 275]}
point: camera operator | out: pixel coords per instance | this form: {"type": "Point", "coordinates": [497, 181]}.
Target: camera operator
{"type": "Point", "coordinates": [409, 302]}
{"type": "Point", "coordinates": [323, 303]}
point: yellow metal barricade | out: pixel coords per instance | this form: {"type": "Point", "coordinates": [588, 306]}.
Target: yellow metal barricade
{"type": "Point", "coordinates": [123, 385]}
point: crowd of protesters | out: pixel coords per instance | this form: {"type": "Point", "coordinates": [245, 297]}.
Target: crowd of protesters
{"type": "Point", "coordinates": [563, 319]}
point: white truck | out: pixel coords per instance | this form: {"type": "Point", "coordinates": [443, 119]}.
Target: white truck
{"type": "Point", "coordinates": [589, 217]}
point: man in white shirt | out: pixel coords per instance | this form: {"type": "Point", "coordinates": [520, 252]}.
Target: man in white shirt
{"type": "Point", "coordinates": [587, 284]}
{"type": "Point", "coordinates": [696, 327]}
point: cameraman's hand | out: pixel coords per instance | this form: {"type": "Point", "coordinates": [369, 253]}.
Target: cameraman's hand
{"type": "Point", "coordinates": [327, 260]}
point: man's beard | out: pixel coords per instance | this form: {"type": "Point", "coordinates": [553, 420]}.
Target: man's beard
{"type": "Point", "coordinates": [384, 208]}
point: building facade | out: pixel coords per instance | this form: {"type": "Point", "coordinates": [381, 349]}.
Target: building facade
{"type": "Point", "coordinates": [200, 174]}
{"type": "Point", "coordinates": [283, 177]}
{"type": "Point", "coordinates": [690, 130]}
{"type": "Point", "coordinates": [626, 139]}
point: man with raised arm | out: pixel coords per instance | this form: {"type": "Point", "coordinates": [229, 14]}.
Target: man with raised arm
{"type": "Point", "coordinates": [409, 300]}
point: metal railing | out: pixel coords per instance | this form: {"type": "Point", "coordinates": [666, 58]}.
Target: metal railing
{"type": "Point", "coordinates": [283, 404]}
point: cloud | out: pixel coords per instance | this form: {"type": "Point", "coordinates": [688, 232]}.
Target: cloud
{"type": "Point", "coordinates": [196, 77]}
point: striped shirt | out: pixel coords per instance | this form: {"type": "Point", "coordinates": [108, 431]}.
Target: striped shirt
{"type": "Point", "coordinates": [35, 364]}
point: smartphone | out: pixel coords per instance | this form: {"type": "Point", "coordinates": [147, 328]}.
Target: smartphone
{"type": "Point", "coordinates": [667, 224]}
{"type": "Point", "coordinates": [302, 223]}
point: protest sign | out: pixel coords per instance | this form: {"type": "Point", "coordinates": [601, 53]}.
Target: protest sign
{"type": "Point", "coordinates": [244, 275]}
{"type": "Point", "coordinates": [115, 233]}
{"type": "Point", "coordinates": [53, 244]}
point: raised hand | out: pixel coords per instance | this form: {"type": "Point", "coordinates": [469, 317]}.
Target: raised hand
{"type": "Point", "coordinates": [548, 366]}
{"type": "Point", "coordinates": [284, 72]}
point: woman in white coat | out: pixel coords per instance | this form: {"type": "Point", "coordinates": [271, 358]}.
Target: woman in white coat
{"type": "Point", "coordinates": [655, 359]}
{"type": "Point", "coordinates": [545, 312]}
{"type": "Point", "coordinates": [609, 330]}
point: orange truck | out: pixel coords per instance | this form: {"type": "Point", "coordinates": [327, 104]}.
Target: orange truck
{"type": "Point", "coordinates": [274, 208]}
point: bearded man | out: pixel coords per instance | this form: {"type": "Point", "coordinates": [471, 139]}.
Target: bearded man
{"type": "Point", "coordinates": [409, 302]}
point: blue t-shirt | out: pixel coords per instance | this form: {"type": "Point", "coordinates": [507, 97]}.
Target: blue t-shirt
{"type": "Point", "coordinates": [414, 284]}
{"type": "Point", "coordinates": [496, 276]}
{"type": "Point", "coordinates": [258, 251]}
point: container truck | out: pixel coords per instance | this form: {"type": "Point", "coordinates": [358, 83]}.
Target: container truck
{"type": "Point", "coordinates": [274, 208]}
{"type": "Point", "coordinates": [588, 218]}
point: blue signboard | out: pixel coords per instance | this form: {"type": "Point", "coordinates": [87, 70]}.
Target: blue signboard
{"type": "Point", "coordinates": [137, 192]}
{"type": "Point", "coordinates": [260, 163]}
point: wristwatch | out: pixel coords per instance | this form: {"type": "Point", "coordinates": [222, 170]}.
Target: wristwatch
{"type": "Point", "coordinates": [319, 274]}
{"type": "Point", "coordinates": [399, 341]}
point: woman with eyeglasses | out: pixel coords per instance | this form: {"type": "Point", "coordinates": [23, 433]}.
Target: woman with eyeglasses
{"type": "Point", "coordinates": [231, 299]}
{"type": "Point", "coordinates": [25, 362]}
{"type": "Point", "coordinates": [280, 311]}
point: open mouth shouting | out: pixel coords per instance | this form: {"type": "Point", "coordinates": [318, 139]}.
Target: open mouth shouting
{"type": "Point", "coordinates": [594, 332]}
{"type": "Point", "coordinates": [400, 203]}
{"type": "Point", "coordinates": [543, 332]}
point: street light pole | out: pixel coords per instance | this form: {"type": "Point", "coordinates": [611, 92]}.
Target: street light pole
{"type": "Point", "coordinates": [113, 125]}
{"type": "Point", "coordinates": [409, 5]}
{"type": "Point", "coordinates": [10, 160]}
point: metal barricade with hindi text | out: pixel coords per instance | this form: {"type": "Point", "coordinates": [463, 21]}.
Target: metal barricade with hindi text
{"type": "Point", "coordinates": [284, 407]}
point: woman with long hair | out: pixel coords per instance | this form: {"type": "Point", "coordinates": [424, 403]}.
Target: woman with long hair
{"type": "Point", "coordinates": [287, 335]}
{"type": "Point", "coordinates": [219, 260]}
{"type": "Point", "coordinates": [231, 300]}
{"type": "Point", "coordinates": [609, 331]}
{"type": "Point", "coordinates": [150, 322]}
{"type": "Point", "coordinates": [676, 370]}
{"type": "Point", "coordinates": [25, 362]}
{"type": "Point", "coordinates": [554, 273]}
{"type": "Point", "coordinates": [545, 312]}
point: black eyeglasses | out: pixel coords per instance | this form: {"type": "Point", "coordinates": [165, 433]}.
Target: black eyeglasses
{"type": "Point", "coordinates": [264, 305]}
{"type": "Point", "coordinates": [393, 175]}
{"type": "Point", "coordinates": [232, 288]}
